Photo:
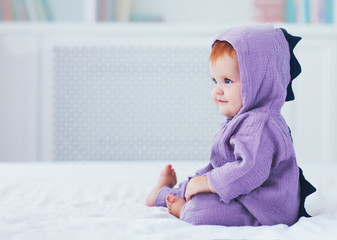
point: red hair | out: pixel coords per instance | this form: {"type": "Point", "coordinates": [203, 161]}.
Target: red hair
{"type": "Point", "coordinates": [219, 49]}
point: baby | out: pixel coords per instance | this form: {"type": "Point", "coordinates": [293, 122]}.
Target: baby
{"type": "Point", "coordinates": [252, 178]}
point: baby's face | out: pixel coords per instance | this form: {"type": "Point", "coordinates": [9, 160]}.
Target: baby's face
{"type": "Point", "coordinates": [226, 92]}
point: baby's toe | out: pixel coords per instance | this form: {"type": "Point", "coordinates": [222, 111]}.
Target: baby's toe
{"type": "Point", "coordinates": [167, 170]}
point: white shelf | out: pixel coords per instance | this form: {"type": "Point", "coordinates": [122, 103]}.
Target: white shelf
{"type": "Point", "coordinates": [152, 28]}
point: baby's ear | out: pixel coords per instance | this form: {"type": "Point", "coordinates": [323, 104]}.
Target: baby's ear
{"type": "Point", "coordinates": [295, 67]}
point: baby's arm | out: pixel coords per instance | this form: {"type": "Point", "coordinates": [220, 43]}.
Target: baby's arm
{"type": "Point", "coordinates": [197, 185]}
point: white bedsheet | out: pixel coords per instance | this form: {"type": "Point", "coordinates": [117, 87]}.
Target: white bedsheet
{"type": "Point", "coordinates": [105, 200]}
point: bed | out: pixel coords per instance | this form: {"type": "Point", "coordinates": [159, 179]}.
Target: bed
{"type": "Point", "coordinates": [105, 200]}
{"type": "Point", "coordinates": [82, 112]}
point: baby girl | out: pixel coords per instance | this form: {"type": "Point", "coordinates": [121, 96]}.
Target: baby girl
{"type": "Point", "coordinates": [252, 177]}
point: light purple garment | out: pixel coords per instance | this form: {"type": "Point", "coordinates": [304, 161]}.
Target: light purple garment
{"type": "Point", "coordinates": [252, 165]}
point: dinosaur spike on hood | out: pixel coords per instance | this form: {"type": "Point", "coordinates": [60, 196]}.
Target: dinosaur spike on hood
{"type": "Point", "coordinates": [295, 67]}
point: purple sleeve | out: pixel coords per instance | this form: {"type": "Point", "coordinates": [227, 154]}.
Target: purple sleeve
{"type": "Point", "coordinates": [166, 190]}
{"type": "Point", "coordinates": [204, 170]}
{"type": "Point", "coordinates": [253, 154]}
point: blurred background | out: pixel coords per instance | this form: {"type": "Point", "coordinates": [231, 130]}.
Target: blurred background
{"type": "Point", "coordinates": [128, 80]}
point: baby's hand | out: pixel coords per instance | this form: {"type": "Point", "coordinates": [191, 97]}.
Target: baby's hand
{"type": "Point", "coordinates": [197, 185]}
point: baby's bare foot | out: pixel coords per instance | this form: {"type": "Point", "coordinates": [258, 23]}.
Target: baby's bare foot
{"type": "Point", "coordinates": [174, 205]}
{"type": "Point", "coordinates": [167, 178]}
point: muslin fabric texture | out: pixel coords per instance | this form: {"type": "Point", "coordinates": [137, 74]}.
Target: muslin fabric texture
{"type": "Point", "coordinates": [253, 166]}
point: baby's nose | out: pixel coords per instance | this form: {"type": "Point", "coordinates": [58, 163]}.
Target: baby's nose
{"type": "Point", "coordinates": [219, 90]}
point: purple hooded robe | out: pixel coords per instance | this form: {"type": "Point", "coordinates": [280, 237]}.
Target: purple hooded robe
{"type": "Point", "coordinates": [252, 165]}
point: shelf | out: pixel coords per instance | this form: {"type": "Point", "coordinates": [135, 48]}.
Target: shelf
{"type": "Point", "coordinates": [158, 28]}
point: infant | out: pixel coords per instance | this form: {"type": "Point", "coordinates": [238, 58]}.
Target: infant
{"type": "Point", "coordinates": [252, 178]}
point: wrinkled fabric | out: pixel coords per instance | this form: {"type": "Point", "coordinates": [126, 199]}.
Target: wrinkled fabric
{"type": "Point", "coordinates": [252, 165]}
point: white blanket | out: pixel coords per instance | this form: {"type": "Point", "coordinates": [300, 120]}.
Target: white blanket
{"type": "Point", "coordinates": [105, 200]}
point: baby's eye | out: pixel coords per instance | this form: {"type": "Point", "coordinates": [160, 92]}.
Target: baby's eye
{"type": "Point", "coordinates": [228, 80]}
{"type": "Point", "coordinates": [215, 82]}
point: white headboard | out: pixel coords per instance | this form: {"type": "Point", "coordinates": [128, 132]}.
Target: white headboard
{"type": "Point", "coordinates": [142, 96]}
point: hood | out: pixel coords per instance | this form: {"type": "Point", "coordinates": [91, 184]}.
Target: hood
{"type": "Point", "coordinates": [264, 63]}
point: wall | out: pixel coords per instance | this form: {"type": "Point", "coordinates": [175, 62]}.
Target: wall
{"type": "Point", "coordinates": [18, 96]}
